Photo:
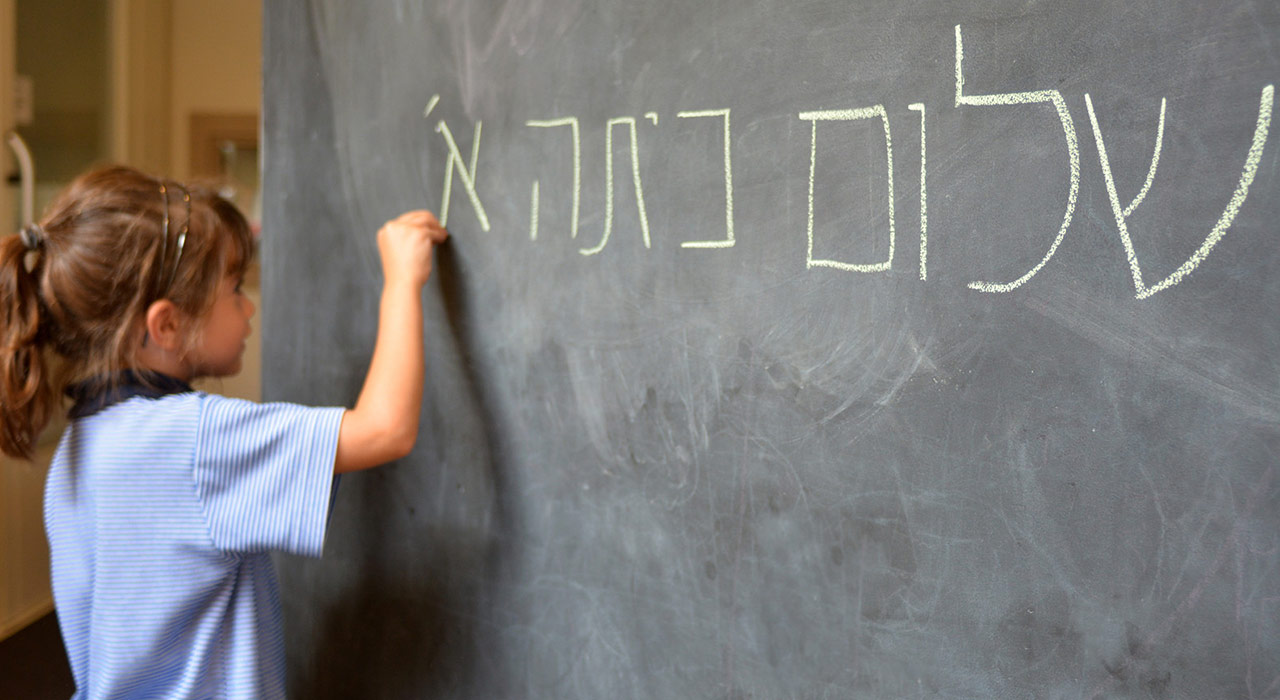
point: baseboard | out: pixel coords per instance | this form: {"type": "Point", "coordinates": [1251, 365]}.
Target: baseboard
{"type": "Point", "coordinates": [19, 622]}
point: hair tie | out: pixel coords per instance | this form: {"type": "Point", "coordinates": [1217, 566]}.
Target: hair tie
{"type": "Point", "coordinates": [32, 236]}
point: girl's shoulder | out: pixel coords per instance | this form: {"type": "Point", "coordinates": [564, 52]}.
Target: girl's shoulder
{"type": "Point", "coordinates": [217, 404]}
{"type": "Point", "coordinates": [221, 416]}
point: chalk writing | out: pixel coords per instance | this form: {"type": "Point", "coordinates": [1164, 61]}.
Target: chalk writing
{"type": "Point", "coordinates": [608, 183]}
{"type": "Point", "coordinates": [468, 175]}
{"type": "Point", "coordinates": [1219, 229]}
{"type": "Point", "coordinates": [924, 199]}
{"type": "Point", "coordinates": [728, 181]}
{"type": "Point", "coordinates": [533, 209]}
{"type": "Point", "coordinates": [1073, 151]}
{"type": "Point", "coordinates": [466, 170]}
{"type": "Point", "coordinates": [848, 115]}
{"type": "Point", "coordinates": [572, 123]}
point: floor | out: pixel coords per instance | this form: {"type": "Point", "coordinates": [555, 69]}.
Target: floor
{"type": "Point", "coordinates": [33, 664]}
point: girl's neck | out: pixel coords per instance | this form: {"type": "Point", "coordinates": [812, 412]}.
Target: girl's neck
{"type": "Point", "coordinates": [153, 358]}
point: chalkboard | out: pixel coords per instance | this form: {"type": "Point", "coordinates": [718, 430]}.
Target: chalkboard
{"type": "Point", "coordinates": [882, 349]}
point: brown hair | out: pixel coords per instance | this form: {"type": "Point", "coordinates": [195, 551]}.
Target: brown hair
{"type": "Point", "coordinates": [101, 258]}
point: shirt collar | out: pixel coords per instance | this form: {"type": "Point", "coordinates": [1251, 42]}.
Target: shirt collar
{"type": "Point", "coordinates": [93, 395]}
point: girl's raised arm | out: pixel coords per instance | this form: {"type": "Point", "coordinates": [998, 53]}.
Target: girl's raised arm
{"type": "Point", "coordinates": [384, 423]}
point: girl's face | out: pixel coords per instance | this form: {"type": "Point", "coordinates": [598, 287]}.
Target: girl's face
{"type": "Point", "coordinates": [223, 332]}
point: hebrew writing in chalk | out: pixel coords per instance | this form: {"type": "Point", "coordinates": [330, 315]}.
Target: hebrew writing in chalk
{"type": "Point", "coordinates": [466, 168]}
{"type": "Point", "coordinates": [727, 242]}
{"type": "Point", "coordinates": [608, 184]}
{"type": "Point", "coordinates": [572, 123]}
{"type": "Point", "coordinates": [848, 115]}
{"type": "Point", "coordinates": [924, 197]}
{"type": "Point", "coordinates": [467, 173]}
{"type": "Point", "coordinates": [1122, 214]}
{"type": "Point", "coordinates": [1073, 151]}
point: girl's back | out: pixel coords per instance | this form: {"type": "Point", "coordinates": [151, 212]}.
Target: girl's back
{"type": "Point", "coordinates": [160, 514]}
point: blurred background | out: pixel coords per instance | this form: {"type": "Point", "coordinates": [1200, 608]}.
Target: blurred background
{"type": "Point", "coordinates": [168, 86]}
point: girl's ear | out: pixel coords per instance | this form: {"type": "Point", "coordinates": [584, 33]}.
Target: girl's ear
{"type": "Point", "coordinates": [164, 325]}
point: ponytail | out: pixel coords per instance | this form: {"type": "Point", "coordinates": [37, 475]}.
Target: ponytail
{"type": "Point", "coordinates": [26, 390]}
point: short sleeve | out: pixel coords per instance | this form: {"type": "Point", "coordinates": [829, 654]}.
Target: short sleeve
{"type": "Point", "coordinates": [264, 473]}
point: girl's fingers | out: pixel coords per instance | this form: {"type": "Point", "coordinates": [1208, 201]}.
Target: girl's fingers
{"type": "Point", "coordinates": [424, 220]}
{"type": "Point", "coordinates": [419, 216]}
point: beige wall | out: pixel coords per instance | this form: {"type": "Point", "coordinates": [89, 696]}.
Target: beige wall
{"type": "Point", "coordinates": [217, 65]}
{"type": "Point", "coordinates": [168, 57]}
{"type": "Point", "coordinates": [24, 554]}
{"type": "Point", "coordinates": [69, 127]}
{"type": "Point", "coordinates": [24, 558]}
{"type": "Point", "coordinates": [8, 68]}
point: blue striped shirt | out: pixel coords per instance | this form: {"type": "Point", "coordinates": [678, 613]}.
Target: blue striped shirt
{"type": "Point", "coordinates": [161, 515]}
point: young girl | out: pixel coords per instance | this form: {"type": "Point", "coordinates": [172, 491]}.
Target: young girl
{"type": "Point", "coordinates": [162, 503]}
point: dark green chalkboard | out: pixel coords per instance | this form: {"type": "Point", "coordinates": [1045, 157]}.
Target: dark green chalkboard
{"type": "Point", "coordinates": [866, 375]}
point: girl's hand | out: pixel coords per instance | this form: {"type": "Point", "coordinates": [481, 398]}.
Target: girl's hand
{"type": "Point", "coordinates": [405, 245]}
